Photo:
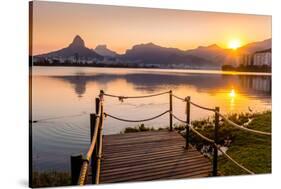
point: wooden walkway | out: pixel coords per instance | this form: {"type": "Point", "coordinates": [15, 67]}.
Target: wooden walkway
{"type": "Point", "coordinates": [151, 155]}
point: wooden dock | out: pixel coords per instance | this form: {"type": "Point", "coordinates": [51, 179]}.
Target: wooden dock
{"type": "Point", "coordinates": [150, 155]}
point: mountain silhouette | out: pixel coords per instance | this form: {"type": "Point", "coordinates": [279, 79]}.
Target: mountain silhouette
{"type": "Point", "coordinates": [216, 55]}
{"type": "Point", "coordinates": [256, 46]}
{"type": "Point", "coordinates": [211, 56]}
{"type": "Point", "coordinates": [104, 51]}
{"type": "Point", "coordinates": [76, 49]}
{"type": "Point", "coordinates": [150, 53]}
{"type": "Point", "coordinates": [77, 43]}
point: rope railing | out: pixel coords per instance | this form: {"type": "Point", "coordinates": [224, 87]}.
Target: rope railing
{"type": "Point", "coordinates": [241, 127]}
{"type": "Point", "coordinates": [93, 153]}
{"type": "Point", "coordinates": [94, 139]}
{"type": "Point", "coordinates": [86, 161]}
{"type": "Point", "coordinates": [141, 120]}
{"type": "Point", "coordinates": [98, 167]}
{"type": "Point", "coordinates": [179, 98]}
{"type": "Point", "coordinates": [224, 118]}
{"type": "Point", "coordinates": [194, 104]}
{"type": "Point", "coordinates": [213, 142]}
{"type": "Point", "coordinates": [235, 162]}
{"type": "Point", "coordinates": [185, 100]}
{"type": "Point", "coordinates": [202, 107]}
{"type": "Point", "coordinates": [102, 93]}
{"type": "Point", "coordinates": [195, 131]}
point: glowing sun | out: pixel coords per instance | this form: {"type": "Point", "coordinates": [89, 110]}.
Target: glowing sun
{"type": "Point", "coordinates": [234, 44]}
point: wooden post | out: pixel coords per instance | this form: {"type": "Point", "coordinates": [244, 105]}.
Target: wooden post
{"type": "Point", "coordinates": [171, 110]}
{"type": "Point", "coordinates": [75, 164]}
{"type": "Point", "coordinates": [98, 162]}
{"type": "Point", "coordinates": [98, 147]}
{"type": "Point", "coordinates": [97, 106]}
{"type": "Point", "coordinates": [215, 156]}
{"type": "Point", "coordinates": [187, 122]}
{"type": "Point", "coordinates": [93, 119]}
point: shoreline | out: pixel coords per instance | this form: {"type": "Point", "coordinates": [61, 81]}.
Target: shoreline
{"type": "Point", "coordinates": [169, 70]}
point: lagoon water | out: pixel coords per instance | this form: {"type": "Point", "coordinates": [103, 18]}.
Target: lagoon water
{"type": "Point", "coordinates": [63, 97]}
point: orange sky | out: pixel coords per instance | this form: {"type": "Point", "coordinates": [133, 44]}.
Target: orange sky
{"type": "Point", "coordinates": [56, 24]}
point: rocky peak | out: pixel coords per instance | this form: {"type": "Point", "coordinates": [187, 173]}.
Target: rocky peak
{"type": "Point", "coordinates": [77, 42]}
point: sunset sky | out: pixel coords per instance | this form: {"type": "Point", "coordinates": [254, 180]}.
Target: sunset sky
{"type": "Point", "coordinates": [56, 24]}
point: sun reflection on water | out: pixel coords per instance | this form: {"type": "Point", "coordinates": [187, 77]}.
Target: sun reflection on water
{"type": "Point", "coordinates": [232, 95]}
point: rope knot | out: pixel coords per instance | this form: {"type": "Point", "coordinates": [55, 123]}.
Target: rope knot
{"type": "Point", "coordinates": [121, 98]}
{"type": "Point", "coordinates": [101, 95]}
{"type": "Point", "coordinates": [186, 99]}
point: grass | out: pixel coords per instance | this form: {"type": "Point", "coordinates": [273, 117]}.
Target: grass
{"type": "Point", "coordinates": [251, 150]}
{"type": "Point", "coordinates": [50, 179]}
{"type": "Point", "coordinates": [138, 128]}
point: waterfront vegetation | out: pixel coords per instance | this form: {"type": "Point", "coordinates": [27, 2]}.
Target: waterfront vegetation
{"type": "Point", "coordinates": [50, 178]}
{"type": "Point", "coordinates": [251, 150]}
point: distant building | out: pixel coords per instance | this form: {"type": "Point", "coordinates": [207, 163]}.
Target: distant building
{"type": "Point", "coordinates": [259, 58]}
{"type": "Point", "coordinates": [262, 58]}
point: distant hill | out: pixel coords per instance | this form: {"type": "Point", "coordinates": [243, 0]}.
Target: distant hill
{"type": "Point", "coordinates": [76, 48]}
{"type": "Point", "coordinates": [104, 51]}
{"type": "Point", "coordinates": [256, 46]}
{"type": "Point", "coordinates": [150, 53]}
{"type": "Point", "coordinates": [216, 55]}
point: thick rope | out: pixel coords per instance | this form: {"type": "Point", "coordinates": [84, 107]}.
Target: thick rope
{"type": "Point", "coordinates": [179, 98]}
{"type": "Point", "coordinates": [83, 173]}
{"type": "Point", "coordinates": [212, 141]}
{"type": "Point", "coordinates": [202, 107]}
{"type": "Point", "coordinates": [144, 96]}
{"type": "Point", "coordinates": [85, 165]}
{"type": "Point", "coordinates": [141, 120]}
{"type": "Point", "coordinates": [241, 127]}
{"type": "Point", "coordinates": [86, 161]}
{"type": "Point", "coordinates": [226, 119]}
{"type": "Point", "coordinates": [235, 162]}
{"type": "Point", "coordinates": [194, 104]}
{"type": "Point", "coordinates": [194, 130]}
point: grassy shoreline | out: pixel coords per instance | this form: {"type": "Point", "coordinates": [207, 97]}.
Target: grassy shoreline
{"type": "Point", "coordinates": [50, 179]}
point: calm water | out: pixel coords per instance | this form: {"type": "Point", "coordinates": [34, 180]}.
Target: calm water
{"type": "Point", "coordinates": [62, 99]}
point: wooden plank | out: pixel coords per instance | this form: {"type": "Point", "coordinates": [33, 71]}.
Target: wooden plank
{"type": "Point", "coordinates": [142, 157]}
{"type": "Point", "coordinates": [142, 143]}
{"type": "Point", "coordinates": [154, 175]}
{"type": "Point", "coordinates": [141, 147]}
{"type": "Point", "coordinates": [127, 135]}
{"type": "Point", "coordinates": [160, 149]}
{"type": "Point", "coordinates": [149, 139]}
{"type": "Point", "coordinates": [150, 155]}
{"type": "Point", "coordinates": [149, 162]}
{"type": "Point", "coordinates": [155, 165]}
